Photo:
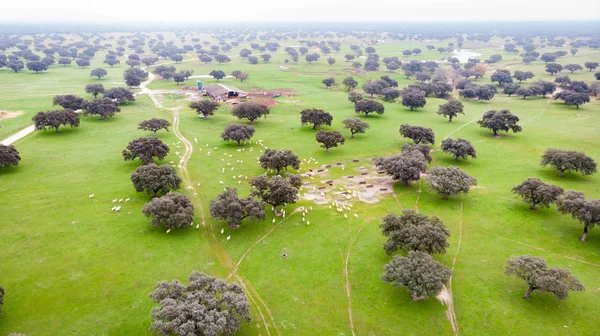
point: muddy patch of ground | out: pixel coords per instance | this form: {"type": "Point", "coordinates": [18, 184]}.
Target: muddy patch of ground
{"type": "Point", "coordinates": [9, 114]}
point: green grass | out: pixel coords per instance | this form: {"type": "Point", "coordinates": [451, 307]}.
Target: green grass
{"type": "Point", "coordinates": [70, 265]}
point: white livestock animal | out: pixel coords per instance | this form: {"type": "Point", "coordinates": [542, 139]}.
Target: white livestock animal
{"type": "Point", "coordinates": [127, 199]}
{"type": "Point", "coordinates": [91, 196]}
{"type": "Point", "coordinates": [222, 231]}
{"type": "Point", "coordinates": [220, 182]}
{"type": "Point", "coordinates": [115, 201]}
{"type": "Point", "coordinates": [169, 230]}
{"type": "Point", "coordinates": [228, 238]}
{"type": "Point", "coordinates": [197, 226]}
{"type": "Point", "coordinates": [355, 215]}
{"type": "Point", "coordinates": [345, 216]}
{"type": "Point", "coordinates": [121, 200]}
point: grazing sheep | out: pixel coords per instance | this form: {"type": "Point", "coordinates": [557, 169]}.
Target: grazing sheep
{"type": "Point", "coordinates": [345, 216]}
{"type": "Point", "coordinates": [222, 231]}
{"type": "Point", "coordinates": [92, 196]}
{"type": "Point", "coordinates": [307, 223]}
{"type": "Point", "coordinates": [220, 182]}
{"type": "Point", "coordinates": [169, 230]}
{"type": "Point", "coordinates": [228, 238]}
{"type": "Point", "coordinates": [121, 200]}
{"type": "Point", "coordinates": [127, 199]}
{"type": "Point", "coordinates": [114, 201]}
{"type": "Point", "coordinates": [197, 226]}
{"type": "Point", "coordinates": [355, 215]}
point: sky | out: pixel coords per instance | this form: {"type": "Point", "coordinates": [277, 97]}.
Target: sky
{"type": "Point", "coordinates": [296, 11]}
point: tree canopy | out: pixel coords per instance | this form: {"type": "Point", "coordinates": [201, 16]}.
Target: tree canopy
{"type": "Point", "coordinates": [204, 107]}
{"type": "Point", "coordinates": [586, 212]}
{"type": "Point", "coordinates": [154, 125]}
{"type": "Point", "coordinates": [417, 134]}
{"type": "Point", "coordinates": [120, 94]}
{"type": "Point", "coordinates": [502, 120]}
{"type": "Point", "coordinates": [276, 190]}
{"type": "Point", "coordinates": [104, 107]}
{"type": "Point", "coordinates": [237, 133]}
{"type": "Point", "coordinates": [206, 306]}
{"type": "Point", "coordinates": [450, 181]}
{"type": "Point", "coordinates": [451, 109]}
{"type": "Point", "coordinates": [413, 99]}
{"type": "Point", "coordinates": [54, 119]}
{"type": "Point", "coordinates": [9, 156]}
{"type": "Point", "coordinates": [250, 110]}
{"type": "Point", "coordinates": [173, 210]}
{"type": "Point", "coordinates": [94, 89]}
{"type": "Point", "coordinates": [533, 270]}
{"type": "Point", "coordinates": [99, 72]}
{"type": "Point", "coordinates": [355, 125]}
{"type": "Point", "coordinates": [406, 166]}
{"type": "Point", "coordinates": [536, 192]}
{"type": "Point", "coordinates": [279, 159]}
{"type": "Point", "coordinates": [229, 207]}
{"type": "Point", "coordinates": [316, 117]}
{"type": "Point", "coordinates": [460, 148]}
{"type": "Point", "coordinates": [414, 231]}
{"type": "Point", "coordinates": [155, 180]}
{"type": "Point", "coordinates": [330, 139]}
{"type": "Point", "coordinates": [568, 161]}
{"type": "Point", "coordinates": [68, 102]}
{"type": "Point", "coordinates": [422, 275]}
{"type": "Point", "coordinates": [146, 149]}
{"type": "Point", "coordinates": [367, 106]}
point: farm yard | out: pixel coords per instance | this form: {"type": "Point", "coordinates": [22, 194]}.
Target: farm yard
{"type": "Point", "coordinates": [73, 263]}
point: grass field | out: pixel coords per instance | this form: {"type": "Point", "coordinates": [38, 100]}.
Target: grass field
{"type": "Point", "coordinates": [71, 266]}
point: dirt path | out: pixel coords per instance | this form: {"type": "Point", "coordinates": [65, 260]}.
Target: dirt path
{"type": "Point", "coordinates": [18, 136]}
{"type": "Point", "coordinates": [261, 238]}
{"type": "Point", "coordinates": [419, 195]}
{"type": "Point", "coordinates": [461, 127]}
{"type": "Point", "coordinates": [347, 276]}
{"type": "Point", "coordinates": [200, 203]}
{"type": "Point", "coordinates": [537, 115]}
{"type": "Point", "coordinates": [446, 295]}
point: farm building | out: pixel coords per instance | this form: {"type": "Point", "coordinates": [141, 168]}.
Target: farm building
{"type": "Point", "coordinates": [221, 91]}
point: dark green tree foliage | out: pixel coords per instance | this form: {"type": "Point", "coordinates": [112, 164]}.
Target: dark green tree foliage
{"type": "Point", "coordinates": [330, 139]}
{"type": "Point", "coordinates": [68, 102]}
{"type": "Point", "coordinates": [451, 109]}
{"type": "Point", "coordinates": [15, 66]}
{"type": "Point", "coordinates": [355, 125]}
{"type": "Point", "coordinates": [460, 148]}
{"type": "Point", "coordinates": [548, 57]}
{"type": "Point", "coordinates": [586, 212]}
{"type": "Point", "coordinates": [110, 61]}
{"type": "Point", "coordinates": [155, 180]}
{"type": "Point", "coordinates": [450, 181]}
{"type": "Point", "coordinates": [278, 160]}
{"type": "Point", "coordinates": [250, 110]}
{"type": "Point", "coordinates": [525, 92]}
{"type": "Point", "coordinates": [536, 192]}
{"type": "Point", "coordinates": [511, 89]}
{"type": "Point", "coordinates": [37, 66]}
{"type": "Point", "coordinates": [315, 117]}
{"type": "Point", "coordinates": [237, 133]}
{"type": "Point", "coordinates": [354, 97]}
{"type": "Point", "coordinates": [418, 272]}
{"type": "Point", "coordinates": [568, 161]}
{"type": "Point", "coordinates": [523, 75]}
{"type": "Point", "coordinates": [328, 82]}
{"type": "Point", "coordinates": [413, 99]}
{"type": "Point", "coordinates": [413, 231]}
{"type": "Point", "coordinates": [553, 68]}
{"type": "Point", "coordinates": [173, 210]}
{"type": "Point", "coordinates": [418, 134]}
{"type": "Point", "coordinates": [501, 76]}
{"type": "Point", "coordinates": [406, 166]}
{"type": "Point", "coordinates": [372, 88]}
{"type": "Point", "coordinates": [562, 81]}
{"type": "Point", "coordinates": [98, 73]}
{"type": "Point", "coordinates": [206, 306]}
{"type": "Point", "coordinates": [55, 119]}
{"type": "Point", "coordinates": [83, 62]}
{"type": "Point", "coordinates": [331, 61]}
{"type": "Point", "coordinates": [232, 209]}
{"type": "Point", "coordinates": [350, 83]}
{"type": "Point", "coordinates": [276, 190]}
{"type": "Point", "coordinates": [533, 270]}
{"type": "Point", "coordinates": [422, 148]}
{"type": "Point", "coordinates": [94, 89]}
{"type": "Point", "coordinates": [573, 67]}
{"type": "Point", "coordinates": [9, 156]}
{"type": "Point", "coordinates": [154, 125]}
{"type": "Point", "coordinates": [120, 94]}
{"type": "Point", "coordinates": [218, 74]}
{"type": "Point", "coordinates": [367, 106]}
{"type": "Point", "coordinates": [2, 292]}
{"type": "Point", "coordinates": [573, 98]}
{"type": "Point", "coordinates": [146, 149]}
{"type": "Point", "coordinates": [104, 107]}
{"type": "Point", "coordinates": [502, 120]}
{"type": "Point", "coordinates": [204, 107]}
{"type": "Point", "coordinates": [390, 94]}
{"type": "Point", "coordinates": [67, 61]}
{"type": "Point", "coordinates": [591, 65]}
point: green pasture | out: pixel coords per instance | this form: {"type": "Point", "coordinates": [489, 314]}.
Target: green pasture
{"type": "Point", "coordinates": [72, 266]}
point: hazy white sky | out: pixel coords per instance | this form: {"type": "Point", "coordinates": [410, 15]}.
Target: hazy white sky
{"type": "Point", "coordinates": [297, 10]}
